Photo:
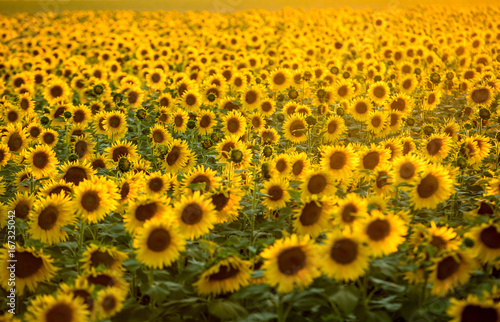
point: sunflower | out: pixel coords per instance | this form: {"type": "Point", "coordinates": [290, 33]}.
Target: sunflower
{"type": "Point", "coordinates": [379, 92]}
{"type": "Point", "coordinates": [80, 115]}
{"type": "Point", "coordinates": [121, 149]}
{"type": "Point", "coordinates": [107, 256]}
{"type": "Point", "coordinates": [22, 204]}
{"type": "Point", "coordinates": [62, 307]}
{"type": "Point", "coordinates": [486, 242]}
{"type": "Point", "coordinates": [234, 124]}
{"type": "Point", "coordinates": [299, 164]}
{"type": "Point", "coordinates": [75, 172]}
{"type": "Point", "coordinates": [82, 290]}
{"type": "Point", "coordinates": [442, 238]}
{"type": "Point", "coordinates": [473, 309]}
{"type": "Point", "coordinates": [251, 98]}
{"type": "Point", "coordinates": [83, 146]}
{"type": "Point", "coordinates": [408, 84]}
{"type": "Point", "coordinates": [312, 218]}
{"type": "Point", "coordinates": [177, 156]}
{"type": "Point", "coordinates": [295, 128]}
{"type": "Point", "coordinates": [157, 183]}
{"type": "Point", "coordinates": [343, 90]}
{"type": "Point", "coordinates": [383, 181]}
{"type": "Point", "coordinates": [290, 108]}
{"type": "Point", "coordinates": [15, 138]}
{"type": "Point", "coordinates": [334, 127]}
{"type": "Point", "coordinates": [179, 120]}
{"type": "Point", "coordinates": [317, 182]}
{"type": "Point", "coordinates": [156, 79]}
{"type": "Point", "coordinates": [191, 100]}
{"type": "Point", "coordinates": [360, 109]}
{"type": "Point", "coordinates": [280, 79]}
{"type": "Point", "coordinates": [484, 146]}
{"type": "Point", "coordinates": [12, 114]}
{"type": "Point", "coordinates": [480, 96]}
{"type": "Point", "coordinates": [373, 157]}
{"type": "Point", "coordinates": [393, 145]}
{"type": "Point", "coordinates": [266, 107]}
{"type": "Point", "coordinates": [195, 215]}
{"type": "Point", "coordinates": [206, 122]}
{"type": "Point", "coordinates": [226, 276]}
{"type": "Point", "coordinates": [350, 209]}
{"type": "Point", "coordinates": [290, 262]}
{"type": "Point", "coordinates": [341, 161]}
{"type": "Point", "coordinates": [134, 96]}
{"type": "Point", "coordinates": [277, 193]}
{"type": "Point", "coordinates": [431, 100]}
{"type": "Point", "coordinates": [56, 91]}
{"type": "Point", "coordinates": [200, 175]}
{"type": "Point", "coordinates": [432, 187]}
{"type": "Point", "coordinates": [269, 136]}
{"type": "Point", "coordinates": [256, 121]}
{"type": "Point", "coordinates": [406, 168]}
{"type": "Point", "coordinates": [48, 137]}
{"type": "Point", "coordinates": [280, 165]}
{"type": "Point", "coordinates": [49, 216]}
{"type": "Point", "coordinates": [408, 145]}
{"type": "Point", "coordinates": [5, 154]}
{"type": "Point", "coordinates": [451, 129]}
{"type": "Point", "coordinates": [450, 270]}
{"type": "Point", "coordinates": [401, 103]}
{"type": "Point", "coordinates": [436, 147]}
{"type": "Point", "coordinates": [42, 161]}
{"type": "Point", "coordinates": [95, 198]}
{"type": "Point", "coordinates": [165, 101]}
{"type": "Point", "coordinates": [383, 233]}
{"type": "Point", "coordinates": [115, 124]}
{"type": "Point", "coordinates": [32, 268]}
{"type": "Point", "coordinates": [227, 203]}
{"type": "Point", "coordinates": [344, 257]}
{"type": "Point", "coordinates": [144, 208]}
{"type": "Point", "coordinates": [109, 301]}
{"type": "Point", "coordinates": [377, 122]}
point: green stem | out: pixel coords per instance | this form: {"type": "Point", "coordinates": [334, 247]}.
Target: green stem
{"type": "Point", "coordinates": [82, 233]}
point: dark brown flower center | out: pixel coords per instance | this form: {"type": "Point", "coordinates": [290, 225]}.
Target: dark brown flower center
{"type": "Point", "coordinates": [438, 242]}
{"type": "Point", "coordinates": [159, 240]}
{"type": "Point", "coordinates": [192, 214]}
{"type": "Point", "coordinates": [361, 108]}
{"type": "Point", "coordinates": [201, 178]}
{"type": "Point", "coordinates": [109, 303]}
{"type": "Point", "coordinates": [155, 184]}
{"type": "Point", "coordinates": [310, 213]}
{"type": "Point", "coordinates": [120, 151]}
{"type": "Point", "coordinates": [332, 127]}
{"type": "Point", "coordinates": [480, 95]}
{"type": "Point", "coordinates": [60, 312]}
{"type": "Point", "coordinates": [22, 210]}
{"type": "Point", "coordinates": [146, 211]}
{"type": "Point", "coordinates": [58, 189]}
{"type": "Point", "coordinates": [447, 267]}
{"type": "Point", "coordinates": [485, 209]}
{"type": "Point", "coordinates": [428, 186]}
{"type": "Point", "coordinates": [98, 257]}
{"type": "Point", "coordinates": [298, 167]}
{"type": "Point", "coordinates": [490, 237]}
{"type": "Point", "coordinates": [124, 191]}
{"type": "Point", "coordinates": [379, 92]}
{"type": "Point", "coordinates": [371, 160]}
{"type": "Point", "coordinates": [338, 160]}
{"type": "Point", "coordinates": [81, 148]}
{"type": "Point", "coordinates": [15, 142]}
{"type": "Point", "coordinates": [296, 127]}
{"type": "Point", "coordinates": [90, 201]}
{"type": "Point", "coordinates": [173, 155]}
{"type": "Point", "coordinates": [344, 251]}
{"type": "Point", "coordinates": [233, 125]}
{"type": "Point", "coordinates": [114, 121]}
{"type": "Point", "coordinates": [291, 260]}
{"type": "Point", "coordinates": [190, 99]}
{"type": "Point", "coordinates": [275, 193]}
{"type": "Point", "coordinates": [407, 170]}
{"type": "Point", "coordinates": [317, 184]}
{"type": "Point", "coordinates": [205, 121]}
{"type": "Point", "coordinates": [219, 200]}
{"type": "Point", "coordinates": [378, 229]}
{"type": "Point", "coordinates": [225, 272]}
{"type": "Point", "coordinates": [75, 175]}
{"type": "Point", "coordinates": [279, 79]}
{"type": "Point", "coordinates": [382, 179]}
{"type": "Point", "coordinates": [27, 264]}
{"type": "Point", "coordinates": [434, 146]}
{"type": "Point", "coordinates": [473, 313]}
{"type": "Point", "coordinates": [251, 97]}
{"type": "Point", "coordinates": [40, 160]}
{"type": "Point", "coordinates": [343, 90]}
{"type": "Point", "coordinates": [48, 217]}
{"type": "Point", "coordinates": [56, 91]}
{"type": "Point", "coordinates": [399, 104]}
{"type": "Point", "coordinates": [103, 279]}
{"type": "Point", "coordinates": [347, 212]}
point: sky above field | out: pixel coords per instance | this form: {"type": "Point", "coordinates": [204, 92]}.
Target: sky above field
{"type": "Point", "coordinates": [10, 6]}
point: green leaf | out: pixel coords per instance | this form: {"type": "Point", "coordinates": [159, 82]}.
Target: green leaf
{"type": "Point", "coordinates": [345, 299]}
{"type": "Point", "coordinates": [227, 310]}
{"type": "Point", "coordinates": [132, 265]}
{"type": "Point", "coordinates": [158, 292]}
{"type": "Point", "coordinates": [387, 303]}
{"type": "Point", "coordinates": [260, 317]}
{"type": "Point", "coordinates": [388, 286]}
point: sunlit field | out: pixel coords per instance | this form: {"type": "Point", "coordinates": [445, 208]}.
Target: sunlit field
{"type": "Point", "coordinates": [320, 165]}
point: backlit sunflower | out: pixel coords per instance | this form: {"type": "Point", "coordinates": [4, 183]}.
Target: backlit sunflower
{"type": "Point", "coordinates": [280, 165]}
{"type": "Point", "coordinates": [408, 84]}
{"type": "Point", "coordinates": [195, 215]}
{"type": "Point", "coordinates": [177, 156]}
{"type": "Point", "coordinates": [82, 290]}
{"type": "Point", "coordinates": [107, 256]}
{"type": "Point", "coordinates": [379, 92]}
{"type": "Point", "coordinates": [406, 168]}
{"type": "Point", "coordinates": [269, 136]}
{"type": "Point", "coordinates": [473, 309]}
{"type": "Point", "coordinates": [343, 257]}
{"type": "Point", "coordinates": [377, 122]}
{"type": "Point", "coordinates": [226, 276]}
{"type": "Point", "coordinates": [432, 187]}
{"type": "Point", "coordinates": [383, 233]}
{"type": "Point", "coordinates": [295, 128]}
{"type": "Point", "coordinates": [383, 181]}
{"type": "Point", "coordinates": [313, 217]}
{"type": "Point", "coordinates": [32, 268]}
{"type": "Point", "coordinates": [486, 242]}
{"type": "Point", "coordinates": [251, 98]}
{"type": "Point", "coordinates": [206, 122]}
{"type": "Point", "coordinates": [62, 307]}
{"type": "Point", "coordinates": [83, 146]}
{"type": "Point", "coordinates": [441, 238]}
{"type": "Point", "coordinates": [277, 193]}
{"type": "Point", "coordinates": [451, 129]}
{"type": "Point", "coordinates": [341, 161]}
{"type": "Point", "coordinates": [431, 100]}
{"type": "Point", "coordinates": [121, 149]}
{"type": "Point", "coordinates": [343, 90]}
{"type": "Point", "coordinates": [334, 127]}
{"type": "Point", "coordinates": [436, 147]}
{"type": "Point", "coordinates": [360, 109]}
{"type": "Point", "coordinates": [317, 183]}
{"type": "Point", "coordinates": [48, 137]}
{"type": "Point", "coordinates": [142, 209]}
{"type": "Point", "coordinates": [75, 172]}
{"type": "Point", "coordinates": [449, 271]}
{"type": "Point", "coordinates": [234, 124]}
{"type": "Point", "coordinates": [393, 145]}
{"type": "Point", "coordinates": [49, 216]}
{"type": "Point", "coordinates": [290, 262]}
{"type": "Point", "coordinates": [42, 161]}
{"type": "Point", "coordinates": [256, 121]}
{"type": "Point", "coordinates": [94, 199]}
{"type": "Point", "coordinates": [157, 183]}
{"type": "Point", "coordinates": [484, 145]}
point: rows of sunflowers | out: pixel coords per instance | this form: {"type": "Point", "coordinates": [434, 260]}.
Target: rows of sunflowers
{"type": "Point", "coordinates": [323, 165]}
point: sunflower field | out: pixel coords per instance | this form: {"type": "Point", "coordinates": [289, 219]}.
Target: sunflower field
{"type": "Point", "coordinates": [321, 165]}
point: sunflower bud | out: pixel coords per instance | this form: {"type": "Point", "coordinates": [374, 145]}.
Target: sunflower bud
{"type": "Point", "coordinates": [268, 151]}
{"type": "Point", "coordinates": [46, 111]}
{"type": "Point", "coordinates": [281, 117]}
{"type": "Point", "coordinates": [124, 165]}
{"type": "Point", "coordinates": [214, 136]}
{"type": "Point", "coordinates": [346, 75]}
{"type": "Point", "coordinates": [410, 121]}
{"type": "Point", "coordinates": [484, 114]}
{"type": "Point", "coordinates": [207, 144]}
{"type": "Point", "coordinates": [98, 89]}
{"type": "Point", "coordinates": [340, 111]}
{"type": "Point", "coordinates": [211, 97]}
{"type": "Point", "coordinates": [450, 75]}
{"type": "Point", "coordinates": [377, 78]}
{"type": "Point", "coordinates": [435, 78]}
{"type": "Point", "coordinates": [307, 76]}
{"type": "Point", "coordinates": [311, 120]}
{"type": "Point", "coordinates": [73, 157]}
{"type": "Point", "coordinates": [469, 242]}
{"type": "Point", "coordinates": [236, 155]}
{"type": "Point", "coordinates": [45, 120]}
{"type": "Point", "coordinates": [258, 80]}
{"type": "Point", "coordinates": [417, 71]}
{"type": "Point", "coordinates": [293, 94]}
{"type": "Point", "coordinates": [334, 70]}
{"type": "Point", "coordinates": [280, 98]}
{"type": "Point", "coordinates": [141, 114]}
{"type": "Point", "coordinates": [428, 130]}
{"type": "Point", "coordinates": [67, 114]}
{"type": "Point", "coordinates": [321, 93]}
{"type": "Point", "coordinates": [266, 174]}
{"type": "Point", "coordinates": [118, 98]}
{"type": "Point", "coordinates": [461, 162]}
{"type": "Point", "coordinates": [191, 124]}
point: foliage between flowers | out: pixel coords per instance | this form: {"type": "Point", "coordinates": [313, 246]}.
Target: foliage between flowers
{"type": "Point", "coordinates": [330, 165]}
